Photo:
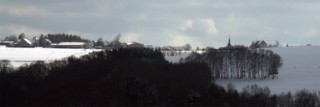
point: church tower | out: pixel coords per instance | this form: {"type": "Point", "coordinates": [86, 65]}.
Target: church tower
{"type": "Point", "coordinates": [229, 43]}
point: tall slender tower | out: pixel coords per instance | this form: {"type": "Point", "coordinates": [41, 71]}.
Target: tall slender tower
{"type": "Point", "coordinates": [229, 43]}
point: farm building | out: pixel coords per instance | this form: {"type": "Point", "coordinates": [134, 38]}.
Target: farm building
{"type": "Point", "coordinates": [70, 45]}
{"type": "Point", "coordinates": [24, 43]}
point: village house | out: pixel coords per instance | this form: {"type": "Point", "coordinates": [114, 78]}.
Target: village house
{"type": "Point", "coordinates": [24, 43]}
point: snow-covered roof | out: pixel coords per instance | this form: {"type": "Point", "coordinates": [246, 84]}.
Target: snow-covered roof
{"type": "Point", "coordinates": [71, 43]}
{"type": "Point", "coordinates": [28, 41]}
{"type": "Point", "coordinates": [130, 43]}
{"type": "Point", "coordinates": [48, 40]}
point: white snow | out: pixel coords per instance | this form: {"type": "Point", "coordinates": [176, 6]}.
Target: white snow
{"type": "Point", "coordinates": [20, 56]}
{"type": "Point", "coordinates": [300, 70]}
{"type": "Point", "coordinates": [71, 43]}
{"type": "Point", "coordinates": [27, 40]}
{"type": "Point", "coordinates": [176, 59]}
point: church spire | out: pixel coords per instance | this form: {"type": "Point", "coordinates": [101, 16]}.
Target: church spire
{"type": "Point", "coordinates": [229, 42]}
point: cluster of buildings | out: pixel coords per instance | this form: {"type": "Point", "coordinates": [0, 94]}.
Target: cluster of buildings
{"type": "Point", "coordinates": [36, 42]}
{"type": "Point", "coordinates": [24, 42]}
{"type": "Point", "coordinates": [20, 43]}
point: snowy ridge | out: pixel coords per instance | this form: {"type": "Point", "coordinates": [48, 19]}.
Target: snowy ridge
{"type": "Point", "coordinates": [20, 56]}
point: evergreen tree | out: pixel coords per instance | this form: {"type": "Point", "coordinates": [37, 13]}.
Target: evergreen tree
{"type": "Point", "coordinates": [99, 42]}
{"type": "Point", "coordinates": [22, 36]}
{"type": "Point", "coordinates": [11, 38]}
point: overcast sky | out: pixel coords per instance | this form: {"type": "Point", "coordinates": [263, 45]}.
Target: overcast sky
{"type": "Point", "coordinates": [167, 22]}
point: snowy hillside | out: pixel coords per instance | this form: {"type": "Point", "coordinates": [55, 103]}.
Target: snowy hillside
{"type": "Point", "coordinates": [176, 58]}
{"type": "Point", "coordinates": [300, 70]}
{"type": "Point", "coordinates": [20, 56]}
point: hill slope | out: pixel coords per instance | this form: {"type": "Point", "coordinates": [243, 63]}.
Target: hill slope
{"type": "Point", "coordinates": [300, 70]}
{"type": "Point", "coordinates": [20, 56]}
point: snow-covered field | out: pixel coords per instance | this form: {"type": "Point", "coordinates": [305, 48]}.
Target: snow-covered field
{"type": "Point", "coordinates": [176, 59]}
{"type": "Point", "coordinates": [20, 56]}
{"type": "Point", "coordinates": [300, 70]}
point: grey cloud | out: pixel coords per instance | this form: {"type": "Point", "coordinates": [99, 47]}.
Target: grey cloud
{"type": "Point", "coordinates": [244, 21]}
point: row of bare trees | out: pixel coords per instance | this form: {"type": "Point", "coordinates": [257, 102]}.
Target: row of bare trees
{"type": "Point", "coordinates": [239, 62]}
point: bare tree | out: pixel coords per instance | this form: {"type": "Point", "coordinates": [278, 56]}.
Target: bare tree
{"type": "Point", "coordinates": [116, 42]}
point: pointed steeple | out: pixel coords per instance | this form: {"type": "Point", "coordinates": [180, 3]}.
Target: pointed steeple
{"type": "Point", "coordinates": [229, 43]}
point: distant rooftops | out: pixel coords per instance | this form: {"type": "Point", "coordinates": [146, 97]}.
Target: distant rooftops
{"type": "Point", "coordinates": [27, 40]}
{"type": "Point", "coordinates": [70, 45]}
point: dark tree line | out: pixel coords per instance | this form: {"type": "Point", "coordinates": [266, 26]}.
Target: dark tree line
{"type": "Point", "coordinates": [131, 77]}
{"type": "Point", "coordinates": [46, 40]}
{"type": "Point", "coordinates": [239, 62]}
{"type": "Point", "coordinates": [122, 77]}
{"type": "Point", "coordinates": [57, 38]}
{"type": "Point", "coordinates": [263, 44]}
{"type": "Point", "coordinates": [11, 38]}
